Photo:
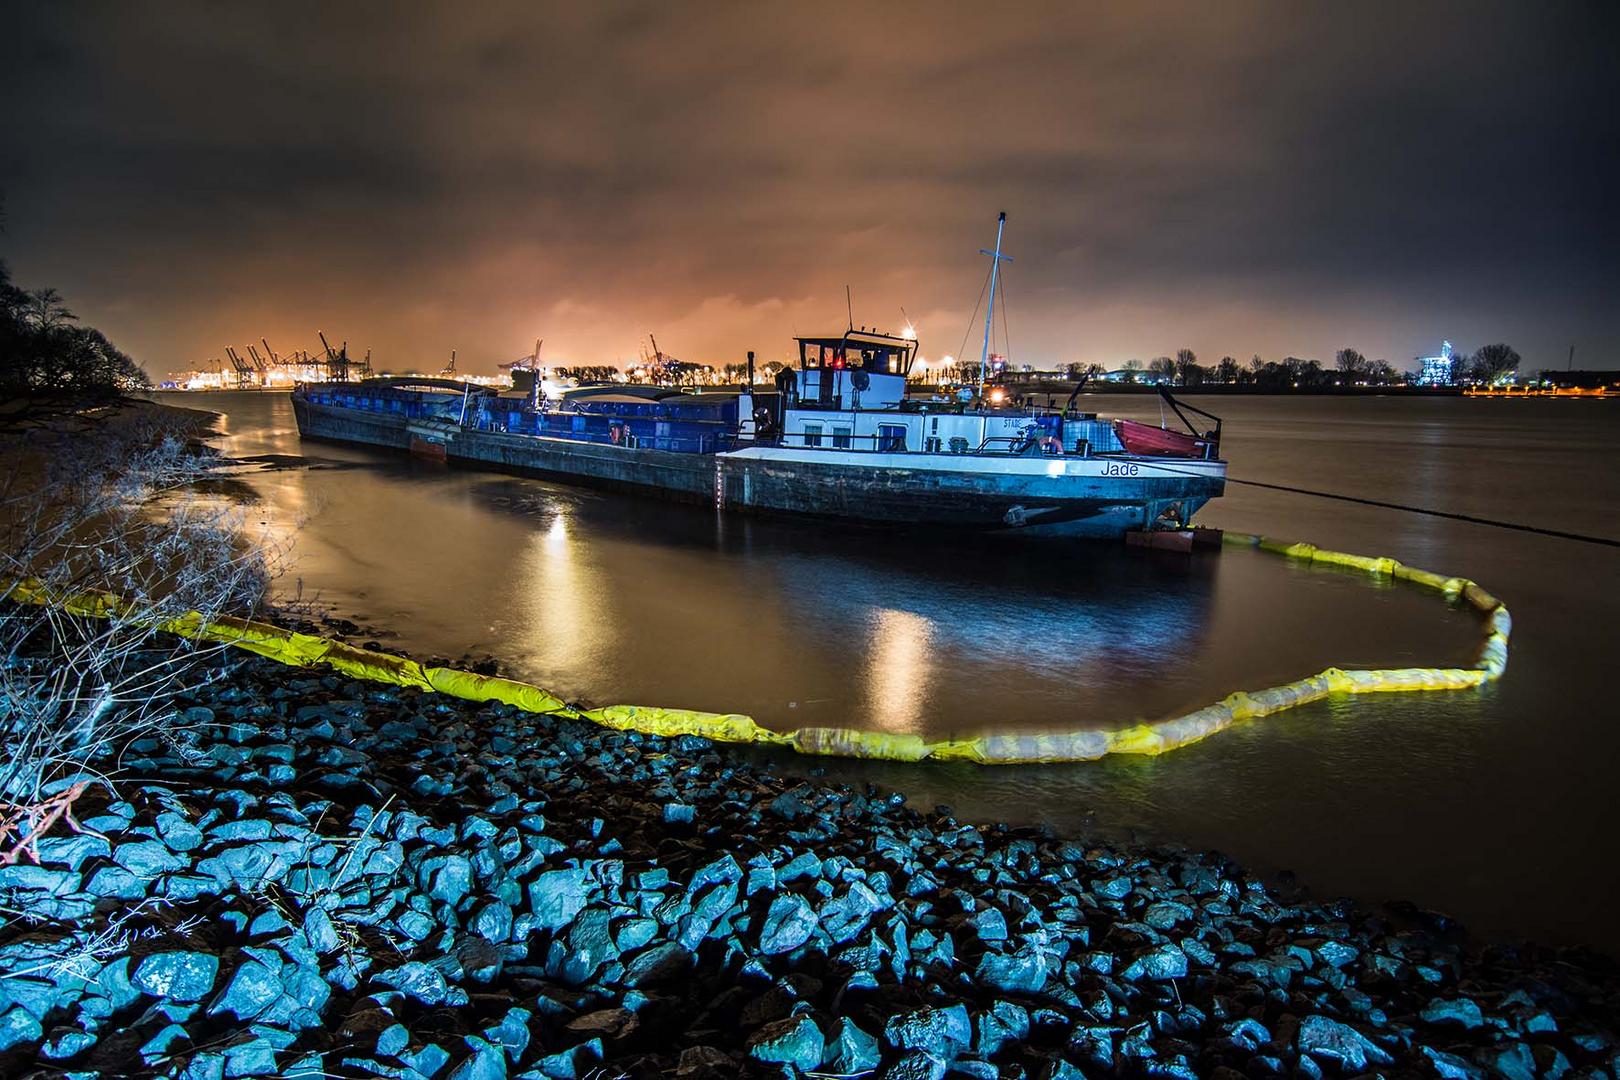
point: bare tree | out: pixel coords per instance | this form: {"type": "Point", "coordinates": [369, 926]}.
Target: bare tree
{"type": "Point", "coordinates": [109, 526]}
{"type": "Point", "coordinates": [1186, 365]}
{"type": "Point", "coordinates": [1351, 363]}
{"type": "Point", "coordinates": [1162, 368]}
{"type": "Point", "coordinates": [1490, 362]}
{"type": "Point", "coordinates": [1227, 370]}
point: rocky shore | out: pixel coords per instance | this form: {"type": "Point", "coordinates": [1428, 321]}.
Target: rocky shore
{"type": "Point", "coordinates": [319, 877]}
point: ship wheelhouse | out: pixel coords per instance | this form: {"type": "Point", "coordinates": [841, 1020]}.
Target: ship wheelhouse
{"type": "Point", "coordinates": [860, 369]}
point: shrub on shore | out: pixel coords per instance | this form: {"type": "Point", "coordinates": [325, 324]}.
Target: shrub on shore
{"type": "Point", "coordinates": [113, 509]}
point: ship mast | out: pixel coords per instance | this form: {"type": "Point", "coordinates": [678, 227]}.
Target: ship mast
{"type": "Point", "coordinates": [990, 312]}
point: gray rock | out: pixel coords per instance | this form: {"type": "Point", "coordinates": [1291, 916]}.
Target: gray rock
{"type": "Point", "coordinates": [427, 1059]}
{"type": "Point", "coordinates": [26, 877]}
{"type": "Point", "coordinates": [704, 1061]}
{"type": "Point", "coordinates": [242, 829]}
{"type": "Point", "coordinates": [176, 976]}
{"type": "Point", "coordinates": [493, 921]}
{"type": "Point", "coordinates": [204, 1065]}
{"type": "Point", "coordinates": [1165, 962]}
{"type": "Point", "coordinates": [1339, 1043]}
{"type": "Point", "coordinates": [1450, 1066]}
{"type": "Point", "coordinates": [945, 1033]}
{"type": "Point", "coordinates": [989, 924]}
{"type": "Point", "coordinates": [632, 934]}
{"type": "Point", "coordinates": [723, 869]}
{"type": "Point", "coordinates": [319, 931]}
{"type": "Point", "coordinates": [1336, 954]}
{"type": "Point", "coordinates": [116, 883]}
{"type": "Point", "coordinates": [1059, 1069]}
{"type": "Point", "coordinates": [806, 864]}
{"type": "Point", "coordinates": [1020, 972]}
{"type": "Point", "coordinates": [849, 1049]}
{"type": "Point", "coordinates": [112, 983]}
{"type": "Point", "coordinates": [556, 896]}
{"type": "Point", "coordinates": [452, 879]}
{"type": "Point", "coordinates": [1004, 1022]}
{"type": "Point", "coordinates": [393, 1040]}
{"type": "Point", "coordinates": [417, 980]}
{"type": "Point", "coordinates": [486, 1062]}
{"type": "Point", "coordinates": [255, 1057]}
{"type": "Point", "coordinates": [1512, 1060]}
{"type": "Point", "coordinates": [18, 1026]}
{"type": "Point", "coordinates": [512, 1033]}
{"type": "Point", "coordinates": [253, 989]}
{"type": "Point", "coordinates": [1166, 914]}
{"type": "Point", "coordinates": [612, 1025]}
{"type": "Point", "coordinates": [660, 963]}
{"type": "Point", "coordinates": [795, 1041]}
{"type": "Point", "coordinates": [67, 1042]}
{"type": "Point", "coordinates": [71, 851]}
{"type": "Point", "coordinates": [416, 925]}
{"type": "Point", "coordinates": [163, 1043]}
{"type": "Point", "coordinates": [917, 1065]}
{"type": "Point", "coordinates": [590, 945]}
{"type": "Point", "coordinates": [572, 1064]}
{"type": "Point", "coordinates": [1116, 888]}
{"type": "Point", "coordinates": [1463, 1012]}
{"type": "Point", "coordinates": [788, 925]}
{"type": "Point", "coordinates": [178, 833]}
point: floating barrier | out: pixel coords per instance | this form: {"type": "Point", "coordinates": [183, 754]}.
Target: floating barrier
{"type": "Point", "coordinates": [1155, 737]}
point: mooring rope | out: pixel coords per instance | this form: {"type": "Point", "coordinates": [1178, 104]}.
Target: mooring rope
{"type": "Point", "coordinates": [1472, 519]}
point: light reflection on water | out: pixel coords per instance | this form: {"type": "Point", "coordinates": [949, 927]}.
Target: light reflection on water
{"type": "Point", "coordinates": [899, 665]}
{"type": "Point", "coordinates": [1494, 805]}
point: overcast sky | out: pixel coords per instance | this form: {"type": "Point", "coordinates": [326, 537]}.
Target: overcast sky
{"type": "Point", "coordinates": [1273, 179]}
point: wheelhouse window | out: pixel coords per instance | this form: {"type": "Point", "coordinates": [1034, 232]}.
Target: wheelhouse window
{"type": "Point", "coordinates": [812, 434]}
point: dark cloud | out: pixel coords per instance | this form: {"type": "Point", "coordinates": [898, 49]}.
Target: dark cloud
{"type": "Point", "coordinates": [1239, 178]}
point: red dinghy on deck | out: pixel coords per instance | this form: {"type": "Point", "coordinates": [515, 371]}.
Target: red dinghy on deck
{"type": "Point", "coordinates": [1140, 438]}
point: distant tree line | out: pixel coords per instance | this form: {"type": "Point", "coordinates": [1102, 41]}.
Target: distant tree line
{"type": "Point", "coordinates": [1350, 368]}
{"type": "Point", "coordinates": [589, 373]}
{"type": "Point", "coordinates": [48, 362]}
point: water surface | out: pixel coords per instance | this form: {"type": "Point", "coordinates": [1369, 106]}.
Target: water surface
{"type": "Point", "coordinates": [1493, 805]}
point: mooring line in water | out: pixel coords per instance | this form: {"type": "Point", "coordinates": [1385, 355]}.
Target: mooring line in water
{"type": "Point", "coordinates": [1469, 518]}
{"type": "Point", "coordinates": [1472, 519]}
{"type": "Point", "coordinates": [1005, 748]}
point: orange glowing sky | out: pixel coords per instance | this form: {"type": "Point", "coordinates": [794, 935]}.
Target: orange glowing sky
{"type": "Point", "coordinates": [1237, 178]}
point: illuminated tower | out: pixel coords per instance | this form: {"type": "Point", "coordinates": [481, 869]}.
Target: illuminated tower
{"type": "Point", "coordinates": [1436, 370]}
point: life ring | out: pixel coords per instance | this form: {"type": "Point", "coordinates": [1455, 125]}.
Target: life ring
{"type": "Point", "coordinates": [616, 433]}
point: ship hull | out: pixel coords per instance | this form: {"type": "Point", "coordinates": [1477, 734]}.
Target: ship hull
{"type": "Point", "coordinates": [1053, 496]}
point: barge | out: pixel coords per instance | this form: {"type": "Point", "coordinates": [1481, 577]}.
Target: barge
{"type": "Point", "coordinates": [837, 438]}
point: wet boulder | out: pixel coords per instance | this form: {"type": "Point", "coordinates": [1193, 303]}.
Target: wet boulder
{"type": "Point", "coordinates": [183, 976]}
{"type": "Point", "coordinates": [788, 924]}
{"type": "Point", "coordinates": [796, 1041]}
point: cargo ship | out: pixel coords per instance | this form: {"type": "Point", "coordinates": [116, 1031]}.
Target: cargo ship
{"type": "Point", "coordinates": [836, 437]}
